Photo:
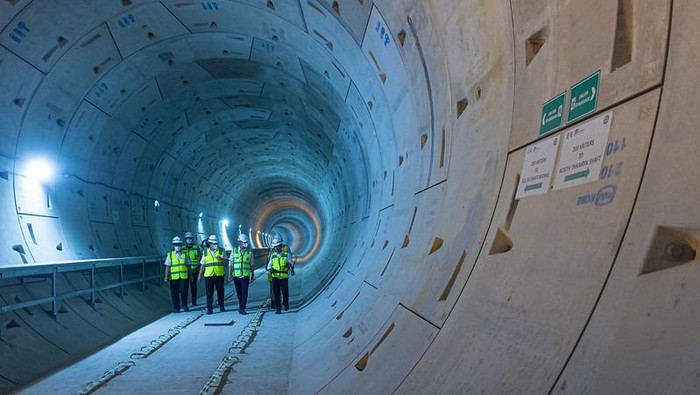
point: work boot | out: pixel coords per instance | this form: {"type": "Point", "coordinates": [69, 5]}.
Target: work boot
{"type": "Point", "coordinates": [278, 312]}
{"type": "Point", "coordinates": [222, 309]}
{"type": "Point", "coordinates": [187, 308]}
{"type": "Point", "coordinates": [209, 312]}
{"type": "Point", "coordinates": [176, 310]}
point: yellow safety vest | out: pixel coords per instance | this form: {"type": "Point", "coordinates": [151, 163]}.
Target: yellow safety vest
{"type": "Point", "coordinates": [193, 252]}
{"type": "Point", "coordinates": [178, 268]}
{"type": "Point", "coordinates": [213, 262]}
{"type": "Point", "coordinates": [241, 262]}
{"type": "Point", "coordinates": [279, 263]}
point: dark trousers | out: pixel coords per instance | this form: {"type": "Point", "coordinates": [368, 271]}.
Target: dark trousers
{"type": "Point", "coordinates": [211, 283]}
{"type": "Point", "coordinates": [242, 284]}
{"type": "Point", "coordinates": [193, 288]}
{"type": "Point", "coordinates": [178, 293]}
{"type": "Point", "coordinates": [280, 284]}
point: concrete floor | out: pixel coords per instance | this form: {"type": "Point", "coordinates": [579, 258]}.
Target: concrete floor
{"type": "Point", "coordinates": [185, 362]}
{"type": "Point", "coordinates": [265, 367]}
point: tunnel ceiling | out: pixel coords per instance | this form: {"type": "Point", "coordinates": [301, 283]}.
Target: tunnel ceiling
{"type": "Point", "coordinates": [219, 107]}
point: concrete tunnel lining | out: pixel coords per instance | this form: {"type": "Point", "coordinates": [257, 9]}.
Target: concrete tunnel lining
{"type": "Point", "coordinates": [392, 134]}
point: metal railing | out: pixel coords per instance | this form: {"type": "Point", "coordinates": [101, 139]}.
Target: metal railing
{"type": "Point", "coordinates": [52, 269]}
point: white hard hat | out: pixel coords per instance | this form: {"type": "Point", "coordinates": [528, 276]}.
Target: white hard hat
{"type": "Point", "coordinates": [188, 235]}
{"type": "Point", "coordinates": [276, 240]}
{"type": "Point", "coordinates": [242, 237]}
{"type": "Point", "coordinates": [213, 240]}
{"type": "Point", "coordinates": [177, 240]}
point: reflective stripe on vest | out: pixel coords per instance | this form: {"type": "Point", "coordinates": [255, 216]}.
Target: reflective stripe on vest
{"type": "Point", "coordinates": [279, 263]}
{"type": "Point", "coordinates": [178, 268]}
{"type": "Point", "coordinates": [241, 262]}
{"type": "Point", "coordinates": [193, 252]}
{"type": "Point", "coordinates": [213, 265]}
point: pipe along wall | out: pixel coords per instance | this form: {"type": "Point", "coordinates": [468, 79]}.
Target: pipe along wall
{"type": "Point", "coordinates": [484, 196]}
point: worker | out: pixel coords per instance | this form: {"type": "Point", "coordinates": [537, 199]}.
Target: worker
{"type": "Point", "coordinates": [194, 253]}
{"type": "Point", "coordinates": [279, 264]}
{"type": "Point", "coordinates": [177, 273]}
{"type": "Point", "coordinates": [269, 279]}
{"type": "Point", "coordinates": [242, 270]}
{"type": "Point", "coordinates": [212, 267]}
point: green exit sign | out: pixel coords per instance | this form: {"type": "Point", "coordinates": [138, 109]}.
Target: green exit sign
{"type": "Point", "coordinates": [552, 114]}
{"type": "Point", "coordinates": [584, 97]}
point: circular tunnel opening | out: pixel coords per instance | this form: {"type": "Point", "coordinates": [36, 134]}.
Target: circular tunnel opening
{"type": "Point", "coordinates": [218, 132]}
{"type": "Point", "coordinates": [305, 124]}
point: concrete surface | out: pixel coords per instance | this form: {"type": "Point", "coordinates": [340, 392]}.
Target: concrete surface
{"type": "Point", "coordinates": [185, 362]}
{"type": "Point", "coordinates": [390, 143]}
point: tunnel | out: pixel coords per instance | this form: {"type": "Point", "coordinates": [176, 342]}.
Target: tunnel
{"type": "Point", "coordinates": [481, 196]}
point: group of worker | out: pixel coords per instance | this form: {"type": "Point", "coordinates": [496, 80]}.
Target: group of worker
{"type": "Point", "coordinates": [186, 265]}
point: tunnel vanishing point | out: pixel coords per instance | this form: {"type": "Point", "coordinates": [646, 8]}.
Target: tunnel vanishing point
{"type": "Point", "coordinates": [485, 196]}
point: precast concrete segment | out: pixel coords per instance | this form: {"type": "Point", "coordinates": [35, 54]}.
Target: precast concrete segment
{"type": "Point", "coordinates": [553, 53]}
{"type": "Point", "coordinates": [416, 226]}
{"type": "Point", "coordinates": [510, 281]}
{"type": "Point", "coordinates": [347, 334]}
{"type": "Point", "coordinates": [642, 336]}
{"type": "Point", "coordinates": [409, 127]}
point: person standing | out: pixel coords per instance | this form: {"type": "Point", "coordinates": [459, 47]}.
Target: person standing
{"type": "Point", "coordinates": [177, 273]}
{"type": "Point", "coordinates": [194, 253]}
{"type": "Point", "coordinates": [279, 265]}
{"type": "Point", "coordinates": [242, 270]}
{"type": "Point", "coordinates": [212, 267]}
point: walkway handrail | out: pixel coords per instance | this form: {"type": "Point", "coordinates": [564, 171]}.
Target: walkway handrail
{"type": "Point", "coordinates": [53, 268]}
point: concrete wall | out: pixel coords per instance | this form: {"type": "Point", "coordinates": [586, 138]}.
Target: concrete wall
{"type": "Point", "coordinates": [406, 131]}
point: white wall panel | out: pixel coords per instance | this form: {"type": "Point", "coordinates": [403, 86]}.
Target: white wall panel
{"type": "Point", "coordinates": [108, 151]}
{"type": "Point", "coordinates": [13, 244]}
{"type": "Point", "coordinates": [144, 241]}
{"type": "Point", "coordinates": [625, 40]}
{"type": "Point", "coordinates": [18, 91]}
{"type": "Point", "coordinates": [142, 26]}
{"type": "Point", "coordinates": [538, 276]}
{"type": "Point", "coordinates": [105, 236]}
{"type": "Point", "coordinates": [43, 32]}
{"type": "Point", "coordinates": [389, 358]}
{"type": "Point", "coordinates": [128, 161]}
{"type": "Point", "coordinates": [44, 238]}
{"type": "Point", "coordinates": [99, 206]}
{"type": "Point", "coordinates": [273, 54]}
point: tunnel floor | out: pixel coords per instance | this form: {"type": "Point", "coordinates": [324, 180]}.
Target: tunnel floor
{"type": "Point", "coordinates": [184, 350]}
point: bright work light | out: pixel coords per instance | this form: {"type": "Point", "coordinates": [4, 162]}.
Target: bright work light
{"type": "Point", "coordinates": [40, 170]}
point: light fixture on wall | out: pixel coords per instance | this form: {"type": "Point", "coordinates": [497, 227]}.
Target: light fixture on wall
{"type": "Point", "coordinates": [39, 169]}
{"type": "Point", "coordinates": [226, 242]}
